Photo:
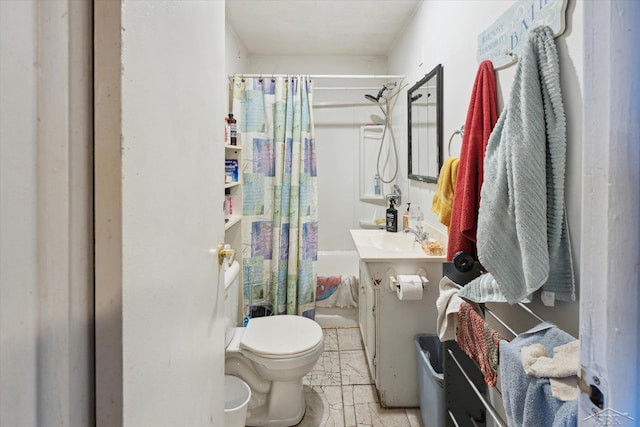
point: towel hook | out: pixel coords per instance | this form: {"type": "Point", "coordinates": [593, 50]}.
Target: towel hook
{"type": "Point", "coordinates": [514, 60]}
{"type": "Point", "coordinates": [507, 52]}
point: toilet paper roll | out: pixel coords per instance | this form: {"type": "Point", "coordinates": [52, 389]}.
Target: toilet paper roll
{"type": "Point", "coordinates": [407, 291]}
{"type": "Point", "coordinates": [407, 278]}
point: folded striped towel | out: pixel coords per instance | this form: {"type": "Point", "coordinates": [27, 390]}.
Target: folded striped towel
{"type": "Point", "coordinates": [485, 289]}
{"type": "Point", "coordinates": [479, 341]}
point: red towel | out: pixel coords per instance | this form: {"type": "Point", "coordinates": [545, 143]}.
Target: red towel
{"type": "Point", "coordinates": [478, 341]}
{"type": "Point", "coordinates": [481, 118]}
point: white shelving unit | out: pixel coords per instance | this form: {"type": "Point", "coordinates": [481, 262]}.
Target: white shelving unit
{"type": "Point", "coordinates": [233, 229]}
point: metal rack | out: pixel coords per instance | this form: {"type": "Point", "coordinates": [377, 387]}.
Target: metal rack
{"type": "Point", "coordinates": [466, 393]}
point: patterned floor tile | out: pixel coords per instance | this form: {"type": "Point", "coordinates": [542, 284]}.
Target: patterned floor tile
{"type": "Point", "coordinates": [339, 391]}
{"type": "Point", "coordinates": [415, 419]}
{"type": "Point", "coordinates": [362, 401]}
{"type": "Point", "coordinates": [330, 339]}
{"type": "Point", "coordinates": [349, 408]}
{"type": "Point", "coordinates": [354, 368]}
{"type": "Point", "coordinates": [349, 339]}
{"type": "Point", "coordinates": [324, 407]}
{"type": "Point", "coordinates": [326, 371]}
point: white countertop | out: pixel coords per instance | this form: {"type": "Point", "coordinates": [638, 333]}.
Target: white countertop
{"type": "Point", "coordinates": [385, 246]}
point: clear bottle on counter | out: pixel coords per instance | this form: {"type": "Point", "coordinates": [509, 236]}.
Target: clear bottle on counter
{"type": "Point", "coordinates": [415, 217]}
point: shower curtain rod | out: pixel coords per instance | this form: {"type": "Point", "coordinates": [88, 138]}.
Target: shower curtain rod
{"type": "Point", "coordinates": [348, 88]}
{"type": "Point", "coordinates": [330, 104]}
{"type": "Point", "coordinates": [325, 76]}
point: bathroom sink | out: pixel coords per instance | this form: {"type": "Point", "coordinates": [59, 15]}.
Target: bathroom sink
{"type": "Point", "coordinates": [381, 245]}
{"type": "Point", "coordinates": [392, 242]}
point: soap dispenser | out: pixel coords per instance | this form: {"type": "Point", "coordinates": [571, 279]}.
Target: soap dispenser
{"type": "Point", "coordinates": [405, 217]}
{"type": "Point", "coordinates": [392, 217]}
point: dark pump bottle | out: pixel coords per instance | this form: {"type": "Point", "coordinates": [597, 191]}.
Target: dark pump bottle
{"type": "Point", "coordinates": [233, 130]}
{"type": "Point", "coordinates": [392, 218]}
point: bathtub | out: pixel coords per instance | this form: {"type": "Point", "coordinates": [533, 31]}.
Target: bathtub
{"type": "Point", "coordinates": [337, 284]}
{"type": "Point", "coordinates": [332, 263]}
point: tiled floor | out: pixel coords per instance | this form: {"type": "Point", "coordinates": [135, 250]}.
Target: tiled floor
{"type": "Point", "coordinates": [339, 390]}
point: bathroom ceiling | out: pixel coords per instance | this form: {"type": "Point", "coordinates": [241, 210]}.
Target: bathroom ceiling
{"type": "Point", "coordinates": [319, 27]}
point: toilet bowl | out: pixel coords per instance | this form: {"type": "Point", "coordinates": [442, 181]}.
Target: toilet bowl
{"type": "Point", "coordinates": [271, 354]}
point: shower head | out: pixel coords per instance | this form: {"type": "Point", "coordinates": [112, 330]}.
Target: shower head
{"type": "Point", "coordinates": [372, 98]}
{"type": "Point", "coordinates": [376, 99]}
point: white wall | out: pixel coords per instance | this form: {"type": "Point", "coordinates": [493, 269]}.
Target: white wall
{"type": "Point", "coordinates": [447, 35]}
{"type": "Point", "coordinates": [159, 151]}
{"type": "Point", "coordinates": [235, 53]}
{"type": "Point", "coordinates": [46, 355]}
{"type": "Point", "coordinates": [236, 58]}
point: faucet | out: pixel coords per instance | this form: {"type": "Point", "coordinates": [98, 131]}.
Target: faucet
{"type": "Point", "coordinates": [421, 236]}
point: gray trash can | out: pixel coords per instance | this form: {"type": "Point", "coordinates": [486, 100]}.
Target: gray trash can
{"type": "Point", "coordinates": [431, 379]}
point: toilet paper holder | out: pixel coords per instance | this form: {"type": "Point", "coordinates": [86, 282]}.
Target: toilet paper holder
{"type": "Point", "coordinates": [394, 285]}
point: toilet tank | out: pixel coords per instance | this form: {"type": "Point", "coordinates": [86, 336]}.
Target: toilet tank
{"type": "Point", "coordinates": [231, 299]}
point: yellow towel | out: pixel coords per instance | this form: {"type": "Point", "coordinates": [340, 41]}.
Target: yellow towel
{"type": "Point", "coordinates": [443, 199]}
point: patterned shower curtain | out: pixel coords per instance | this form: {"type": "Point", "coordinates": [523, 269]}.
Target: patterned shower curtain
{"type": "Point", "coordinates": [280, 225]}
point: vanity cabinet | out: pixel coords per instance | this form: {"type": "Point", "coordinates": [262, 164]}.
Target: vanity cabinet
{"type": "Point", "coordinates": [367, 316]}
{"type": "Point", "coordinates": [389, 326]}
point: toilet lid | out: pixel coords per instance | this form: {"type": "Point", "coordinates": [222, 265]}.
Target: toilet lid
{"type": "Point", "coordinates": [281, 336]}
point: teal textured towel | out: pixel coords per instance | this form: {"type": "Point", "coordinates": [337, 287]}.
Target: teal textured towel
{"type": "Point", "coordinates": [523, 239]}
{"type": "Point", "coordinates": [528, 400]}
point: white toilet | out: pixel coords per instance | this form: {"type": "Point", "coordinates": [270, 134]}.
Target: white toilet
{"type": "Point", "coordinates": [272, 354]}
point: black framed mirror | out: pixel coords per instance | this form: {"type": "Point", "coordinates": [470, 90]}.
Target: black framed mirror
{"type": "Point", "coordinates": [424, 131]}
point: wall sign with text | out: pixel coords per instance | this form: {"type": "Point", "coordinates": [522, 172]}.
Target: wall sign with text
{"type": "Point", "coordinates": [506, 36]}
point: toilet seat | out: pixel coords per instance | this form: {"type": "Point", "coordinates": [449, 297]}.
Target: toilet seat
{"type": "Point", "coordinates": [281, 337]}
